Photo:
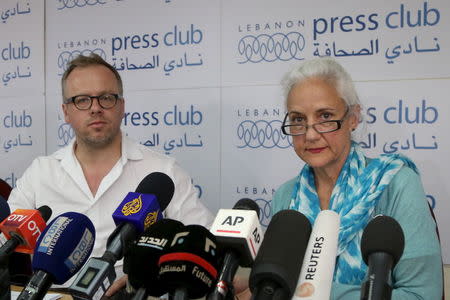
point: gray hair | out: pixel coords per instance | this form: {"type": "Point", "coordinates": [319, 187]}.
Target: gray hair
{"type": "Point", "coordinates": [330, 71]}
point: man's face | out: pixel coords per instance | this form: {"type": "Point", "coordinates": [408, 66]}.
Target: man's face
{"type": "Point", "coordinates": [95, 127]}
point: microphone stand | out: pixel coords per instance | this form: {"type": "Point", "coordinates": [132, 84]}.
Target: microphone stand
{"type": "Point", "coordinates": [37, 287]}
{"type": "Point", "coordinates": [5, 289]}
{"type": "Point", "coordinates": [269, 290]}
{"type": "Point", "coordinates": [376, 287]}
{"type": "Point", "coordinates": [180, 294]}
{"type": "Point", "coordinates": [5, 250]}
{"type": "Point", "coordinates": [141, 294]}
{"type": "Point", "coordinates": [224, 289]}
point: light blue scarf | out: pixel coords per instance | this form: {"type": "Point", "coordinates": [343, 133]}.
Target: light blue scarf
{"type": "Point", "coordinates": [354, 198]}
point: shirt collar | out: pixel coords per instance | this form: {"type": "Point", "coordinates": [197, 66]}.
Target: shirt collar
{"type": "Point", "coordinates": [130, 149]}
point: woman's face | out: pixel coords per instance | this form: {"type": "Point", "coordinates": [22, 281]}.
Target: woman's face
{"type": "Point", "coordinates": [315, 101]}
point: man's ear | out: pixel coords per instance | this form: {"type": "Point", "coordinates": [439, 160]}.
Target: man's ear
{"type": "Point", "coordinates": [66, 115]}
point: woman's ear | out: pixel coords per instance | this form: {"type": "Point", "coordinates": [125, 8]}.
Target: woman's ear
{"type": "Point", "coordinates": [355, 116]}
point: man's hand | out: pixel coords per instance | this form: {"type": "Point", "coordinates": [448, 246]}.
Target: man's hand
{"type": "Point", "coordinates": [117, 285]}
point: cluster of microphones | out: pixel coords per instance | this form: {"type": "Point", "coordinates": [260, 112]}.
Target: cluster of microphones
{"type": "Point", "coordinates": [291, 260]}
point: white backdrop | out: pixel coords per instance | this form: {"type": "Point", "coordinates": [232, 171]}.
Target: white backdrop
{"type": "Point", "coordinates": [22, 113]}
{"type": "Point", "coordinates": [202, 77]}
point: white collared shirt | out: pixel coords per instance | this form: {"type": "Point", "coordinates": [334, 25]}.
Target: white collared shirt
{"type": "Point", "coordinates": [58, 181]}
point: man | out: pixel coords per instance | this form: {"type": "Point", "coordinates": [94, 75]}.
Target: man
{"type": "Point", "coordinates": [93, 174]}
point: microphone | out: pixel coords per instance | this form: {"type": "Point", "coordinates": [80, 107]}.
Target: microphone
{"type": "Point", "coordinates": [22, 228]}
{"type": "Point", "coordinates": [141, 259]}
{"type": "Point", "coordinates": [145, 206]}
{"type": "Point", "coordinates": [61, 250]}
{"type": "Point", "coordinates": [238, 232]}
{"type": "Point", "coordinates": [4, 212]}
{"type": "Point", "coordinates": [189, 267]}
{"type": "Point", "coordinates": [316, 275]}
{"type": "Point", "coordinates": [5, 290]}
{"type": "Point", "coordinates": [382, 245]}
{"type": "Point", "coordinates": [136, 213]}
{"type": "Point", "coordinates": [5, 189]}
{"type": "Point", "coordinates": [4, 209]}
{"type": "Point", "coordinates": [277, 265]}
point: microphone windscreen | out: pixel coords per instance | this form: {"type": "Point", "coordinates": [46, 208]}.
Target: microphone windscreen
{"type": "Point", "coordinates": [247, 204]}
{"type": "Point", "coordinates": [282, 250]}
{"type": "Point", "coordinates": [317, 270]}
{"type": "Point", "coordinates": [141, 259]}
{"type": "Point", "coordinates": [64, 246]}
{"type": "Point", "coordinates": [4, 209]}
{"type": "Point", "coordinates": [46, 212]}
{"type": "Point", "coordinates": [160, 185]}
{"type": "Point", "coordinates": [383, 234]}
{"type": "Point", "coordinates": [190, 262]}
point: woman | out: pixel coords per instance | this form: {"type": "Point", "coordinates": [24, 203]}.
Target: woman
{"type": "Point", "coordinates": [323, 110]}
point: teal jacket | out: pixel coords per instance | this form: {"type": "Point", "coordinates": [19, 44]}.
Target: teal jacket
{"type": "Point", "coordinates": [418, 274]}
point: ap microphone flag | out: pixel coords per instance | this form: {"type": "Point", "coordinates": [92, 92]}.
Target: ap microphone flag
{"type": "Point", "coordinates": [239, 228]}
{"type": "Point", "coordinates": [239, 234]}
{"type": "Point", "coordinates": [316, 275]}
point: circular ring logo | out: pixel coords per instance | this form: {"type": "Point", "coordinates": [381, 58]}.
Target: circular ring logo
{"type": "Point", "coordinates": [265, 211]}
{"type": "Point", "coordinates": [269, 48]}
{"type": "Point", "coordinates": [261, 133]}
{"type": "Point", "coordinates": [78, 3]}
{"type": "Point", "coordinates": [65, 134]}
{"type": "Point", "coordinates": [67, 56]}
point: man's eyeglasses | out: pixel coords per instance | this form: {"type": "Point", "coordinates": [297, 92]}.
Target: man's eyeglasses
{"type": "Point", "coordinates": [84, 102]}
{"type": "Point", "coordinates": [290, 127]}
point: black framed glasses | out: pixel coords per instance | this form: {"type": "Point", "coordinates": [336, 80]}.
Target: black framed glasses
{"type": "Point", "coordinates": [84, 102]}
{"type": "Point", "coordinates": [290, 127]}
